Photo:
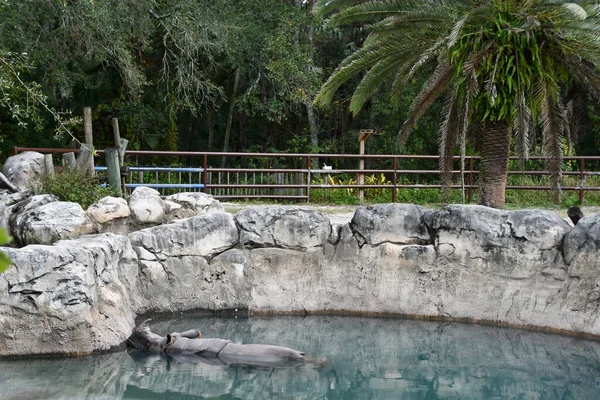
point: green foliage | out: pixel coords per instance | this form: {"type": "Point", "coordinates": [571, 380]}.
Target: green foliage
{"type": "Point", "coordinates": [5, 262]}
{"type": "Point", "coordinates": [74, 186]}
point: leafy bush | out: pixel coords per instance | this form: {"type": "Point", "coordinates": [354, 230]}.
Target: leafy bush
{"type": "Point", "coordinates": [75, 186]}
{"type": "Point", "coordinates": [5, 261]}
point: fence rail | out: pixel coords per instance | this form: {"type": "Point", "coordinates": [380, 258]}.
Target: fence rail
{"type": "Point", "coordinates": [287, 176]}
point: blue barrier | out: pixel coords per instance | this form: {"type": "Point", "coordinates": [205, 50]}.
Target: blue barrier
{"type": "Point", "coordinates": [158, 169]}
{"type": "Point", "coordinates": [166, 185]}
{"type": "Point", "coordinates": [162, 185]}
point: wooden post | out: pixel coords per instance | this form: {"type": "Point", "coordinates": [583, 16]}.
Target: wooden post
{"type": "Point", "coordinates": [89, 139]}
{"type": "Point", "coordinates": [395, 181]}
{"type": "Point", "coordinates": [470, 191]}
{"type": "Point", "coordinates": [49, 164]}
{"type": "Point", "coordinates": [122, 150]}
{"type": "Point", "coordinates": [121, 144]}
{"type": "Point", "coordinates": [85, 159]}
{"type": "Point", "coordinates": [363, 136]}
{"type": "Point", "coordinates": [116, 133]}
{"type": "Point", "coordinates": [114, 170]}
{"type": "Point", "coordinates": [581, 180]}
{"type": "Point", "coordinates": [308, 178]}
{"type": "Point", "coordinates": [68, 160]}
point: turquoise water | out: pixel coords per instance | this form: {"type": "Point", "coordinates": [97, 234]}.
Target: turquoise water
{"type": "Point", "coordinates": [351, 358]}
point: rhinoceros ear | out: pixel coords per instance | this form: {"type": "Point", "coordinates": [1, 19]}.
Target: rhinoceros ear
{"type": "Point", "coordinates": [170, 339]}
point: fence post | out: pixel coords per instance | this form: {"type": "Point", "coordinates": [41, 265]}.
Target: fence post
{"type": "Point", "coordinates": [394, 180]}
{"type": "Point", "coordinates": [114, 171]}
{"type": "Point", "coordinates": [89, 140]}
{"type": "Point", "coordinates": [581, 180]}
{"type": "Point", "coordinates": [69, 160]}
{"type": "Point", "coordinates": [470, 191]}
{"type": "Point", "coordinates": [308, 177]}
{"type": "Point", "coordinates": [205, 174]}
{"type": "Point", "coordinates": [49, 163]}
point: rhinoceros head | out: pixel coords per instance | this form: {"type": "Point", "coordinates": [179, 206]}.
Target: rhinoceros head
{"type": "Point", "coordinates": [143, 339]}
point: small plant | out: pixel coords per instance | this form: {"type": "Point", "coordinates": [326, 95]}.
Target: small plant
{"type": "Point", "coordinates": [74, 186]}
{"type": "Point", "coordinates": [5, 261]}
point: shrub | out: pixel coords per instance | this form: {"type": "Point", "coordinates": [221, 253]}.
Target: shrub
{"type": "Point", "coordinates": [75, 186]}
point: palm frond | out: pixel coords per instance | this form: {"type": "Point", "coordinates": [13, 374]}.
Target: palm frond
{"type": "Point", "coordinates": [362, 60]}
{"type": "Point", "coordinates": [437, 83]}
{"type": "Point", "coordinates": [522, 124]}
{"type": "Point", "coordinates": [324, 7]}
{"type": "Point", "coordinates": [449, 130]}
{"type": "Point", "coordinates": [586, 75]}
{"type": "Point", "coordinates": [547, 93]}
{"type": "Point", "coordinates": [404, 76]}
{"type": "Point", "coordinates": [380, 72]}
{"type": "Point", "coordinates": [375, 10]}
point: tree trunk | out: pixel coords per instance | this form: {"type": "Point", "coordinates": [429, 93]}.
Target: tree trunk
{"type": "Point", "coordinates": [494, 164]}
{"type": "Point", "coordinates": [211, 127]}
{"type": "Point", "coordinates": [310, 112]}
{"type": "Point", "coordinates": [232, 97]}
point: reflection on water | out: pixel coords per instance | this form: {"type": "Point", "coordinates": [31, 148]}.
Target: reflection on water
{"type": "Point", "coordinates": [351, 358]}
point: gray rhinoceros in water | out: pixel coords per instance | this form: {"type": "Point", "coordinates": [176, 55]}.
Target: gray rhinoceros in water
{"type": "Point", "coordinates": [190, 347]}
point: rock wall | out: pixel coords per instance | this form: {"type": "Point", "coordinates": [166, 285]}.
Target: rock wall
{"type": "Point", "coordinates": [524, 268]}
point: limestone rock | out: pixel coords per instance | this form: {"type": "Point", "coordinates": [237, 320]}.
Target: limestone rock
{"type": "Point", "coordinates": [581, 248]}
{"type": "Point", "coordinates": [52, 222]}
{"type": "Point", "coordinates": [8, 201]}
{"type": "Point", "coordinates": [23, 211]}
{"type": "Point", "coordinates": [291, 228]}
{"type": "Point", "coordinates": [108, 209]}
{"type": "Point", "coordinates": [78, 296]}
{"type": "Point", "coordinates": [25, 169]}
{"type": "Point", "coordinates": [146, 206]}
{"type": "Point", "coordinates": [516, 244]}
{"type": "Point", "coordinates": [189, 204]}
{"type": "Point", "coordinates": [392, 223]}
{"type": "Point", "coordinates": [175, 270]}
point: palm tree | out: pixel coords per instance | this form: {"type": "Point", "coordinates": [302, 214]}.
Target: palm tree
{"type": "Point", "coordinates": [502, 66]}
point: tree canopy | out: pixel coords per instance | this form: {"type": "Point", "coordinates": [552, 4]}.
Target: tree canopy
{"type": "Point", "coordinates": [215, 75]}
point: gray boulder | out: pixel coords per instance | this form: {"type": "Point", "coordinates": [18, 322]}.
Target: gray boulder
{"type": "Point", "coordinates": [289, 228]}
{"type": "Point", "coordinates": [76, 297]}
{"type": "Point", "coordinates": [146, 205]}
{"type": "Point", "coordinates": [51, 222]}
{"type": "Point", "coordinates": [108, 209]}
{"type": "Point", "coordinates": [24, 210]}
{"type": "Point", "coordinates": [176, 272]}
{"type": "Point", "coordinates": [8, 201]}
{"type": "Point", "coordinates": [516, 244]}
{"type": "Point", "coordinates": [25, 169]}
{"type": "Point", "coordinates": [391, 223]}
{"type": "Point", "coordinates": [189, 204]}
{"type": "Point", "coordinates": [581, 247]}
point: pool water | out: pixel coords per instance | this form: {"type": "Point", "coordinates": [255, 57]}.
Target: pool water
{"type": "Point", "coordinates": [349, 358]}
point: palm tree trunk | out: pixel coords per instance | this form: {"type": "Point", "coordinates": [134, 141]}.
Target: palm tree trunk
{"type": "Point", "coordinates": [494, 164]}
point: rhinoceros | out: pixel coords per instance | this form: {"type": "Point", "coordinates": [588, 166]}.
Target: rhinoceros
{"type": "Point", "coordinates": [191, 347]}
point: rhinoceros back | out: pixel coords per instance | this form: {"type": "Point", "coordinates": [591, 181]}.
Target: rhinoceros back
{"type": "Point", "coordinates": [202, 347]}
